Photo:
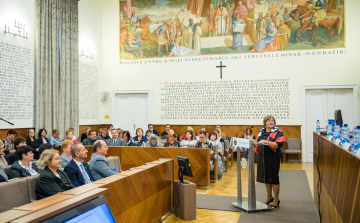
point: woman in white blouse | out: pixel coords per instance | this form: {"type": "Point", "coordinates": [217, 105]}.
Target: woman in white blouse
{"type": "Point", "coordinates": [189, 138]}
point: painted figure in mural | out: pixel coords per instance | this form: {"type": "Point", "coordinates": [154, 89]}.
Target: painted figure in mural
{"type": "Point", "coordinates": [179, 50]}
{"type": "Point", "coordinates": [269, 43]}
{"type": "Point", "coordinates": [287, 18]}
{"type": "Point", "coordinates": [242, 10]}
{"type": "Point", "coordinates": [268, 23]}
{"type": "Point", "coordinates": [172, 29]}
{"type": "Point", "coordinates": [278, 18]}
{"type": "Point", "coordinates": [133, 19]}
{"type": "Point", "coordinates": [196, 38]}
{"type": "Point", "coordinates": [284, 34]}
{"type": "Point", "coordinates": [210, 17]}
{"type": "Point", "coordinates": [190, 33]}
{"type": "Point", "coordinates": [137, 34]}
{"type": "Point", "coordinates": [260, 27]}
{"type": "Point", "coordinates": [162, 34]}
{"type": "Point", "coordinates": [249, 4]}
{"type": "Point", "coordinates": [318, 11]}
{"type": "Point", "coordinates": [237, 36]}
{"type": "Point", "coordinates": [130, 47]}
{"type": "Point", "coordinates": [179, 26]}
{"type": "Point", "coordinates": [230, 14]}
{"type": "Point", "coordinates": [220, 18]}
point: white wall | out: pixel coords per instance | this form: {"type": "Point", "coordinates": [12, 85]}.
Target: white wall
{"type": "Point", "coordinates": [324, 69]}
{"type": "Point", "coordinates": [23, 12]}
{"type": "Point", "coordinates": [91, 36]}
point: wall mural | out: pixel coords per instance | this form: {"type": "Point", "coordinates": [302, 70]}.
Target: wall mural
{"type": "Point", "coordinates": [171, 28]}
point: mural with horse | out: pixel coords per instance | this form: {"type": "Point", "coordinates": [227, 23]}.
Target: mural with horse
{"type": "Point", "coordinates": [168, 28]}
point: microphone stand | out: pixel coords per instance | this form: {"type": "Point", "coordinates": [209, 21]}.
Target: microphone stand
{"type": "Point", "coordinates": [242, 130]}
{"type": "Point", "coordinates": [6, 121]}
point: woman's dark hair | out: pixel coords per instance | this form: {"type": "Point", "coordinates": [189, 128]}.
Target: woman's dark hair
{"type": "Point", "coordinates": [213, 133]}
{"type": "Point", "coordinates": [191, 133]}
{"type": "Point", "coordinates": [40, 131]}
{"type": "Point", "coordinates": [11, 132]}
{"type": "Point", "coordinates": [127, 133]}
{"type": "Point", "coordinates": [17, 141]}
{"type": "Point", "coordinates": [23, 150]}
{"type": "Point", "coordinates": [148, 131]}
{"type": "Point", "coordinates": [202, 132]}
{"type": "Point", "coordinates": [248, 128]}
{"type": "Point", "coordinates": [43, 147]}
{"type": "Point", "coordinates": [177, 137]}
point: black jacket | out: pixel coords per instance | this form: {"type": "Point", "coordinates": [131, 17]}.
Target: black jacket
{"type": "Point", "coordinates": [40, 141]}
{"type": "Point", "coordinates": [16, 171]}
{"type": "Point", "coordinates": [74, 173]}
{"type": "Point", "coordinates": [49, 184]}
{"type": "Point", "coordinates": [34, 145]}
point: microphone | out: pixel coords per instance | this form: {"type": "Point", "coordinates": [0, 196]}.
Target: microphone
{"type": "Point", "coordinates": [242, 130]}
{"type": "Point", "coordinates": [6, 121]}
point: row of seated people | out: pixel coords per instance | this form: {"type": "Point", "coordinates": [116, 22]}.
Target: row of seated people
{"type": "Point", "coordinates": [56, 173]}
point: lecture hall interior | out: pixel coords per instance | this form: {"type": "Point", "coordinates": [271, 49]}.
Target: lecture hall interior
{"type": "Point", "coordinates": [209, 111]}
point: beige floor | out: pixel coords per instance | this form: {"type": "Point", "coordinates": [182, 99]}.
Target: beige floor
{"type": "Point", "coordinates": [227, 186]}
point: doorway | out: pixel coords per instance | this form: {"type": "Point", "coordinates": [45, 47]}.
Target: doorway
{"type": "Point", "coordinates": [131, 110]}
{"type": "Point", "coordinates": [320, 104]}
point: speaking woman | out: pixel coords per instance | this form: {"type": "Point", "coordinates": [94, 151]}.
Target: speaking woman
{"type": "Point", "coordinates": [268, 171]}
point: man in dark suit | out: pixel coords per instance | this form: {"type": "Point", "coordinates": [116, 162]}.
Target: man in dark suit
{"type": "Point", "coordinates": [77, 170]}
{"type": "Point", "coordinates": [115, 141]}
{"type": "Point", "coordinates": [153, 131]}
{"type": "Point", "coordinates": [91, 139]}
{"type": "Point", "coordinates": [167, 129]}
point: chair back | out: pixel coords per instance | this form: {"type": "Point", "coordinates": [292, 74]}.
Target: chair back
{"type": "Point", "coordinates": [114, 162]}
{"type": "Point", "coordinates": [14, 194]}
{"type": "Point", "coordinates": [293, 143]}
{"type": "Point", "coordinates": [31, 185]}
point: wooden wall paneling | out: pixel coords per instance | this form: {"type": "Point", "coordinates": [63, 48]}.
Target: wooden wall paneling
{"type": "Point", "coordinates": [20, 133]}
{"type": "Point", "coordinates": [340, 180]}
{"type": "Point", "coordinates": [137, 156]}
{"type": "Point", "coordinates": [147, 191]}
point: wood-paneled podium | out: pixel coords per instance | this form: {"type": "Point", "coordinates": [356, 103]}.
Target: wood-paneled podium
{"type": "Point", "coordinates": [336, 182]}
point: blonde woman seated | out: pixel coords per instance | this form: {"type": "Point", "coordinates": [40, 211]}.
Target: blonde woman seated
{"type": "Point", "coordinates": [153, 142]}
{"type": "Point", "coordinates": [189, 138]}
{"type": "Point", "coordinates": [70, 136]}
{"type": "Point", "coordinates": [54, 139]}
{"type": "Point", "coordinates": [52, 180]}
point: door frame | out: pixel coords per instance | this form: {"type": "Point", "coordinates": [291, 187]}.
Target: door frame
{"type": "Point", "coordinates": [150, 101]}
{"type": "Point", "coordinates": [303, 89]}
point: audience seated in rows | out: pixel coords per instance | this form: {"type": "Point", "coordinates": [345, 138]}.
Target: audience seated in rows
{"type": "Point", "coordinates": [77, 170]}
{"type": "Point", "coordinates": [223, 134]}
{"type": "Point", "coordinates": [115, 141]}
{"type": "Point", "coordinates": [153, 142]}
{"type": "Point", "coordinates": [128, 140]}
{"type": "Point", "coordinates": [92, 138]}
{"type": "Point", "coordinates": [9, 142]}
{"type": "Point", "coordinates": [19, 141]}
{"type": "Point", "coordinates": [109, 130]}
{"type": "Point", "coordinates": [44, 147]}
{"type": "Point", "coordinates": [33, 143]}
{"type": "Point", "coordinates": [171, 141]}
{"type": "Point", "coordinates": [99, 165]}
{"type": "Point", "coordinates": [54, 139]}
{"type": "Point", "coordinates": [3, 162]}
{"type": "Point", "coordinates": [104, 134]}
{"type": "Point", "coordinates": [70, 136]}
{"type": "Point", "coordinates": [24, 166]}
{"type": "Point", "coordinates": [189, 138]}
{"type": "Point", "coordinates": [42, 137]}
{"type": "Point", "coordinates": [166, 132]}
{"type": "Point", "coordinates": [52, 180]}
{"type": "Point", "coordinates": [148, 134]}
{"type": "Point", "coordinates": [85, 134]}
{"type": "Point", "coordinates": [139, 136]}
{"type": "Point", "coordinates": [66, 154]}
{"type": "Point", "coordinates": [189, 128]}
{"type": "Point", "coordinates": [152, 130]}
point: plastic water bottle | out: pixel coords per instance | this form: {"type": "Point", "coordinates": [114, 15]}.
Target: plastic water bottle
{"type": "Point", "coordinates": [329, 129]}
{"type": "Point", "coordinates": [355, 143]}
{"type": "Point", "coordinates": [345, 138]}
{"type": "Point", "coordinates": [336, 132]}
{"type": "Point", "coordinates": [317, 126]}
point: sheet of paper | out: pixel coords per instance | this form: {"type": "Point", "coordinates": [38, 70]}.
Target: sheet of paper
{"type": "Point", "coordinates": [346, 146]}
{"type": "Point", "coordinates": [239, 28]}
{"type": "Point", "coordinates": [329, 137]}
{"type": "Point", "coordinates": [337, 141]}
